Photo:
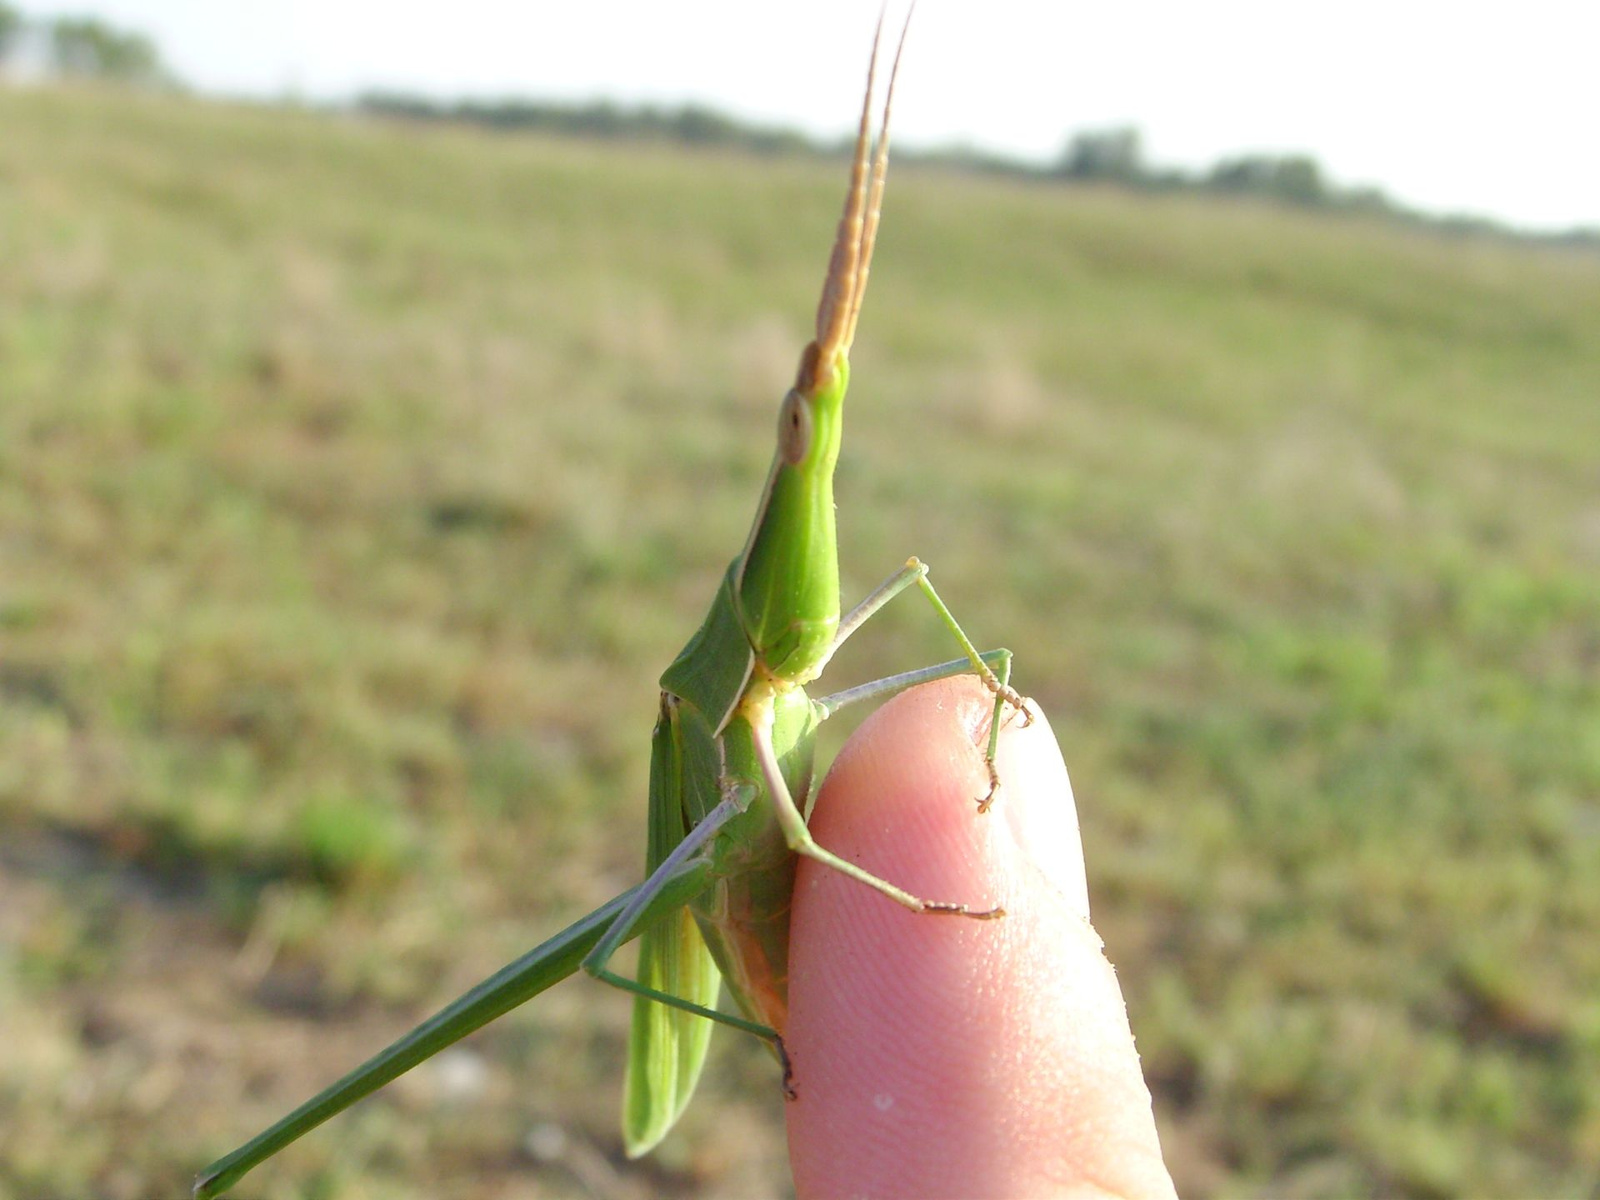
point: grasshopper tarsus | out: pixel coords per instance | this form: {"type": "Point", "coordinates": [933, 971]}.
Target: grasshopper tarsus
{"type": "Point", "coordinates": [1013, 700]}
{"type": "Point", "coordinates": [788, 1068]}
{"type": "Point", "coordinates": [987, 801]}
{"type": "Point", "coordinates": [944, 909]}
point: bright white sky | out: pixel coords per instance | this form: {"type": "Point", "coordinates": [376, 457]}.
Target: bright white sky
{"type": "Point", "coordinates": [1485, 108]}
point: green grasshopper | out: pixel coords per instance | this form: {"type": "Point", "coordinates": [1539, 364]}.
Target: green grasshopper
{"type": "Point", "coordinates": [731, 761]}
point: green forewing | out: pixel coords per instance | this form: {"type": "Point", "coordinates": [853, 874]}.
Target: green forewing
{"type": "Point", "coordinates": [712, 670]}
{"type": "Point", "coordinates": [667, 1046]}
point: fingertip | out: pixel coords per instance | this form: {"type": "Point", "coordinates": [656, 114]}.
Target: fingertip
{"type": "Point", "coordinates": [1038, 809]}
{"type": "Point", "coordinates": [942, 1056]}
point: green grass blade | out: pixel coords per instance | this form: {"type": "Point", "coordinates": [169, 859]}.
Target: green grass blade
{"type": "Point", "coordinates": [544, 965]}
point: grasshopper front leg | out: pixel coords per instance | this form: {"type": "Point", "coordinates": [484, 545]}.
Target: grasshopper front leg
{"type": "Point", "coordinates": [998, 683]}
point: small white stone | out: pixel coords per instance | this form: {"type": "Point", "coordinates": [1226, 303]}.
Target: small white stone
{"type": "Point", "coordinates": [461, 1075]}
{"type": "Point", "coordinates": [546, 1142]}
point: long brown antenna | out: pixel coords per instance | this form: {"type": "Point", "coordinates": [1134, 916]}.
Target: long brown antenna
{"type": "Point", "coordinates": [838, 290]}
{"type": "Point", "coordinates": [848, 265]}
{"type": "Point", "coordinates": [880, 171]}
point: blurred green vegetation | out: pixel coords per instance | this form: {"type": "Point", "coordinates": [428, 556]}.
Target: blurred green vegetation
{"type": "Point", "coordinates": [357, 481]}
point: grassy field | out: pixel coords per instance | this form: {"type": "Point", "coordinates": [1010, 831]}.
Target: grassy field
{"type": "Point", "coordinates": [356, 483]}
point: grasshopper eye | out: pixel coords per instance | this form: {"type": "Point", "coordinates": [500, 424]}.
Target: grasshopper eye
{"type": "Point", "coordinates": [794, 428]}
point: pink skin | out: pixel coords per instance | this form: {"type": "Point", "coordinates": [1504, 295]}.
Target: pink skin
{"type": "Point", "coordinates": [940, 1056]}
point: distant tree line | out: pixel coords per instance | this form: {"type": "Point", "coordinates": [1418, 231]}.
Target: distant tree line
{"type": "Point", "coordinates": [692, 124]}
{"type": "Point", "coordinates": [78, 48]}
{"type": "Point", "coordinates": [1117, 156]}
{"type": "Point", "coordinates": [90, 48]}
{"type": "Point", "coordinates": [1108, 156]}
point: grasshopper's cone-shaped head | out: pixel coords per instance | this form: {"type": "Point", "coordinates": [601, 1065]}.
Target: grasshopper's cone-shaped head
{"type": "Point", "coordinates": [788, 582]}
